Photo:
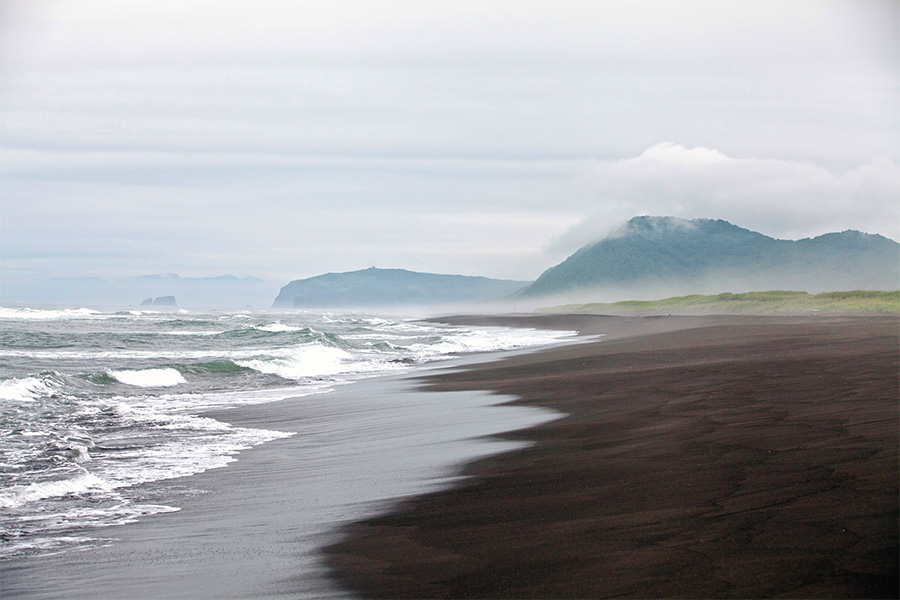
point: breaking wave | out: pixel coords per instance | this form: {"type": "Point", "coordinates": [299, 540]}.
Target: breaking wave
{"type": "Point", "coordinates": [149, 377]}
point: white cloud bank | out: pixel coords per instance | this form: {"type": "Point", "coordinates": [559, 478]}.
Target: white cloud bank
{"type": "Point", "coordinates": [780, 198]}
{"type": "Point", "coordinates": [285, 138]}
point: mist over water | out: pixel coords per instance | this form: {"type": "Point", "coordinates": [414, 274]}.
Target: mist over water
{"type": "Point", "coordinates": [93, 404]}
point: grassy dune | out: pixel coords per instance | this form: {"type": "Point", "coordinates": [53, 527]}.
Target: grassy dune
{"type": "Point", "coordinates": [857, 301]}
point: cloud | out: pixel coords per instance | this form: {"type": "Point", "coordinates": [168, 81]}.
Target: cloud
{"type": "Point", "coordinates": [452, 79]}
{"type": "Point", "coordinates": [286, 138]}
{"type": "Point", "coordinates": [781, 198]}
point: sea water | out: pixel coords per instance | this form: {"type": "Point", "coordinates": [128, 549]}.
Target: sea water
{"type": "Point", "coordinates": [95, 403]}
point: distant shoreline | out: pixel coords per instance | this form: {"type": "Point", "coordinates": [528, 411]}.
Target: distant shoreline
{"type": "Point", "coordinates": [771, 302]}
{"type": "Point", "coordinates": [707, 456]}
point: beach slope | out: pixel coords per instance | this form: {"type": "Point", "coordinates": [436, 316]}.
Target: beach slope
{"type": "Point", "coordinates": [738, 456]}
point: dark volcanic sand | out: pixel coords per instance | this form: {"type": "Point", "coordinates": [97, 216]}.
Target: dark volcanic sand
{"type": "Point", "coordinates": [703, 457]}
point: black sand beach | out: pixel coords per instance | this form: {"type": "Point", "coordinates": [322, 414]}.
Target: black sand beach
{"type": "Point", "coordinates": [702, 457]}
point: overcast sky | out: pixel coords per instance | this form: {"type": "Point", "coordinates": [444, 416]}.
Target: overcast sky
{"type": "Point", "coordinates": [285, 139]}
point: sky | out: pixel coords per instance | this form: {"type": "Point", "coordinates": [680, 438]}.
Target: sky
{"type": "Point", "coordinates": [285, 139]}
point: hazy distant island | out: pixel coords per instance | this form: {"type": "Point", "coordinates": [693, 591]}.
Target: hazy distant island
{"type": "Point", "coordinates": [224, 291]}
{"type": "Point", "coordinates": [397, 287]}
{"type": "Point", "coordinates": [160, 301]}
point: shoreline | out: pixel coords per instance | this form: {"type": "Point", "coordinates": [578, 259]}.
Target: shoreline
{"type": "Point", "coordinates": [255, 527]}
{"type": "Point", "coordinates": [449, 516]}
{"type": "Point", "coordinates": [719, 456]}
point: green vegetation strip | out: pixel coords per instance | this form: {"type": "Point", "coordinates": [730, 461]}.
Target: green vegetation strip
{"type": "Point", "coordinates": [857, 301]}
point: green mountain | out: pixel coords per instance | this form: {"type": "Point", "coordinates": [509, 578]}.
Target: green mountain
{"type": "Point", "coordinates": [397, 287]}
{"type": "Point", "coordinates": [703, 255]}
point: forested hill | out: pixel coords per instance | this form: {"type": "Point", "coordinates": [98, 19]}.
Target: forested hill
{"type": "Point", "coordinates": [710, 254]}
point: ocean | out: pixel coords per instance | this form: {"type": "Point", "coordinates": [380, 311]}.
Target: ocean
{"type": "Point", "coordinates": [96, 405]}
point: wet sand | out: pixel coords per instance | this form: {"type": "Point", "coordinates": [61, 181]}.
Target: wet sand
{"type": "Point", "coordinates": [254, 529]}
{"type": "Point", "coordinates": [703, 457]}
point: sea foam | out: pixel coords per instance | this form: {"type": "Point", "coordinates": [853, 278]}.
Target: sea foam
{"type": "Point", "coordinates": [304, 361]}
{"type": "Point", "coordinates": [149, 377]}
{"type": "Point", "coordinates": [278, 328]}
{"type": "Point", "coordinates": [25, 389]}
{"type": "Point", "coordinates": [34, 314]}
{"type": "Point", "coordinates": [18, 495]}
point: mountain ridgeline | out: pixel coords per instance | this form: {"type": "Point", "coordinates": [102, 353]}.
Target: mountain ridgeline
{"type": "Point", "coordinates": [392, 287]}
{"type": "Point", "coordinates": [646, 258]}
{"type": "Point", "coordinates": [652, 255]}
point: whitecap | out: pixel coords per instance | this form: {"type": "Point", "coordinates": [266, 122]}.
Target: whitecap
{"type": "Point", "coordinates": [278, 327]}
{"type": "Point", "coordinates": [18, 495]}
{"type": "Point", "coordinates": [25, 389]}
{"type": "Point", "coordinates": [487, 339]}
{"type": "Point", "coordinates": [305, 361]}
{"type": "Point", "coordinates": [190, 333]}
{"type": "Point", "coordinates": [35, 314]}
{"type": "Point", "coordinates": [149, 377]}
